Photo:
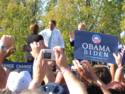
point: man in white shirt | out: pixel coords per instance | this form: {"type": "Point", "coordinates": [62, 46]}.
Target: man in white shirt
{"type": "Point", "coordinates": [52, 36]}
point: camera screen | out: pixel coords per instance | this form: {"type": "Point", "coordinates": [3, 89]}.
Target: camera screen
{"type": "Point", "coordinates": [47, 55]}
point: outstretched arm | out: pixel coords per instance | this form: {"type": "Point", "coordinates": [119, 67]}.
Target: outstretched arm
{"type": "Point", "coordinates": [119, 71]}
{"type": "Point", "coordinates": [87, 74]}
{"type": "Point", "coordinates": [74, 85]}
{"type": "Point", "coordinates": [39, 66]}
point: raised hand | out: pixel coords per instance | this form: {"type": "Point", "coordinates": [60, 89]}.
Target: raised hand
{"type": "Point", "coordinates": [39, 71]}
{"type": "Point", "coordinates": [118, 59]}
{"type": "Point", "coordinates": [85, 70]}
{"type": "Point", "coordinates": [36, 47]}
{"type": "Point", "coordinates": [60, 57]}
{"type": "Point", "coordinates": [8, 41]}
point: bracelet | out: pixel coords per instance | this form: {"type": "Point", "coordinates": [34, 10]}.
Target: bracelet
{"type": "Point", "coordinates": [64, 70]}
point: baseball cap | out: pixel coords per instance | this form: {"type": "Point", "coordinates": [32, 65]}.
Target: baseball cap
{"type": "Point", "coordinates": [18, 81]}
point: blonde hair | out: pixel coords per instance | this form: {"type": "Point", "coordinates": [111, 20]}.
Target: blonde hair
{"type": "Point", "coordinates": [81, 26]}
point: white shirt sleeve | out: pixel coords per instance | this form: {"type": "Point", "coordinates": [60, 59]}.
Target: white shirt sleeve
{"type": "Point", "coordinates": [41, 33]}
{"type": "Point", "coordinates": [71, 39]}
{"type": "Point", "coordinates": [45, 37]}
{"type": "Point", "coordinates": [61, 41]}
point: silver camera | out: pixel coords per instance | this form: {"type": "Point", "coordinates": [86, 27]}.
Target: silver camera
{"type": "Point", "coordinates": [48, 54]}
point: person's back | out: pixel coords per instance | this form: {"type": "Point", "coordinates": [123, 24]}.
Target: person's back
{"type": "Point", "coordinates": [33, 29]}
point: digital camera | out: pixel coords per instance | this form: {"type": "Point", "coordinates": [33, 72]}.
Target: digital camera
{"type": "Point", "coordinates": [48, 54]}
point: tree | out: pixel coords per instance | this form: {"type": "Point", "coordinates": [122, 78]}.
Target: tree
{"type": "Point", "coordinates": [15, 18]}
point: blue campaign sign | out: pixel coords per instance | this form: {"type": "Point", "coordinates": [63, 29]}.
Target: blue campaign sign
{"type": "Point", "coordinates": [19, 65]}
{"type": "Point", "coordinates": [95, 46]}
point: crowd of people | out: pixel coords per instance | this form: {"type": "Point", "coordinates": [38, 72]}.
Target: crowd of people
{"type": "Point", "coordinates": [56, 76]}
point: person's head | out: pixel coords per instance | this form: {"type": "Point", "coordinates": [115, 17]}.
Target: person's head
{"type": "Point", "coordinates": [7, 43]}
{"type": "Point", "coordinates": [116, 88]}
{"type": "Point", "coordinates": [81, 26]}
{"type": "Point", "coordinates": [103, 73]}
{"type": "Point", "coordinates": [36, 44]}
{"type": "Point", "coordinates": [52, 24]}
{"type": "Point", "coordinates": [94, 89]}
{"type": "Point", "coordinates": [34, 28]}
{"type": "Point", "coordinates": [38, 38]}
{"type": "Point", "coordinates": [18, 81]}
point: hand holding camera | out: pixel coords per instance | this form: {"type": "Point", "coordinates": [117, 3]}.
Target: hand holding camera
{"type": "Point", "coordinates": [8, 41]}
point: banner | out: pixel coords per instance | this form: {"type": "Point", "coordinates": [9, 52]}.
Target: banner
{"type": "Point", "coordinates": [19, 65]}
{"type": "Point", "coordinates": [95, 46]}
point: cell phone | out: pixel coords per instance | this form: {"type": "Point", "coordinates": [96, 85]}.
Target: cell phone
{"type": "Point", "coordinates": [48, 54]}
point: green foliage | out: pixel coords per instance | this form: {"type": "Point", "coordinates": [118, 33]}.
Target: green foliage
{"type": "Point", "coordinates": [15, 18]}
{"type": "Point", "coordinates": [107, 16]}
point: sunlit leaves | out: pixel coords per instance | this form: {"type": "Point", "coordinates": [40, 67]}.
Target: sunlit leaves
{"type": "Point", "coordinates": [15, 18]}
